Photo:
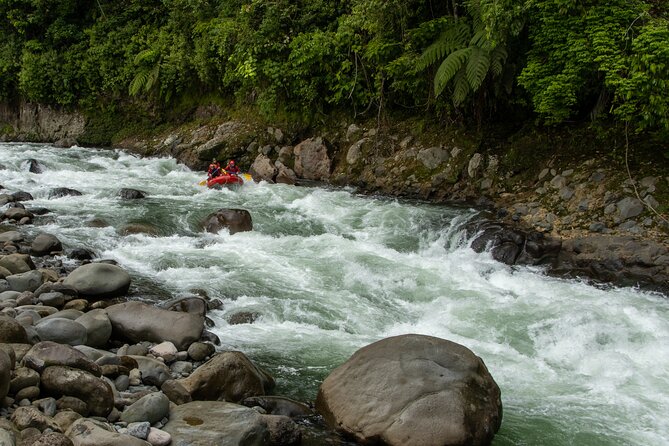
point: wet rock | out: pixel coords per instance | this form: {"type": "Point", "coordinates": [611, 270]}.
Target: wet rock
{"type": "Point", "coordinates": [63, 192]}
{"type": "Point", "coordinates": [282, 430]}
{"type": "Point", "coordinates": [277, 405]}
{"type": "Point", "coordinates": [243, 317]}
{"type": "Point", "coordinates": [228, 376]}
{"type": "Point", "coordinates": [193, 304]}
{"type": "Point", "coordinates": [285, 175]}
{"type": "Point", "coordinates": [35, 166]}
{"type": "Point", "coordinates": [81, 254]}
{"type": "Point", "coordinates": [99, 280]}
{"type": "Point", "coordinates": [514, 246]}
{"type": "Point", "coordinates": [140, 228]}
{"type": "Point", "coordinates": [235, 220]}
{"type": "Point", "coordinates": [216, 422]}
{"type": "Point", "coordinates": [137, 322]}
{"type": "Point", "coordinates": [17, 214]}
{"type": "Point", "coordinates": [95, 392]}
{"type": "Point", "coordinates": [44, 244]}
{"type": "Point", "coordinates": [131, 194]}
{"type": "Point", "coordinates": [429, 390]}
{"type": "Point", "coordinates": [22, 196]}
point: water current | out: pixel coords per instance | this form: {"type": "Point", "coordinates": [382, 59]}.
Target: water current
{"type": "Point", "coordinates": [329, 271]}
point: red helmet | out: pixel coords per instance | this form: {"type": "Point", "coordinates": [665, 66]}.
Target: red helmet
{"type": "Point", "coordinates": [232, 162]}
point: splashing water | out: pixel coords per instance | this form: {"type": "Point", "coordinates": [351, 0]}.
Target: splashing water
{"type": "Point", "coordinates": [328, 271]}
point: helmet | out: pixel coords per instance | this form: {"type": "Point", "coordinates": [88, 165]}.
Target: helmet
{"type": "Point", "coordinates": [232, 162]}
{"type": "Point", "coordinates": [213, 160]}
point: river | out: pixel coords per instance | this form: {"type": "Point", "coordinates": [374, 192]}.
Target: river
{"type": "Point", "coordinates": [329, 271]}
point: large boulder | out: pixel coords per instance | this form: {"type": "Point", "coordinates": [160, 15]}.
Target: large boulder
{"type": "Point", "coordinates": [235, 220]}
{"type": "Point", "coordinates": [515, 246]}
{"type": "Point", "coordinates": [413, 389]}
{"type": "Point", "coordinates": [95, 392]}
{"type": "Point", "coordinates": [47, 353]}
{"type": "Point", "coordinates": [136, 321]}
{"type": "Point", "coordinates": [311, 159]}
{"type": "Point", "coordinates": [228, 376]}
{"type": "Point", "coordinates": [44, 244]}
{"type": "Point", "coordinates": [262, 169]}
{"type": "Point", "coordinates": [99, 280]}
{"type": "Point", "coordinates": [89, 432]}
{"type": "Point", "coordinates": [205, 423]}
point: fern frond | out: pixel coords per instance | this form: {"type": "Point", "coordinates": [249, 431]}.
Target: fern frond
{"type": "Point", "coordinates": [152, 78]}
{"type": "Point", "coordinates": [145, 55]}
{"type": "Point", "coordinates": [497, 59]}
{"type": "Point", "coordinates": [477, 67]}
{"type": "Point", "coordinates": [452, 39]}
{"type": "Point", "coordinates": [461, 89]}
{"type": "Point", "coordinates": [448, 68]}
{"type": "Point", "coordinates": [138, 82]}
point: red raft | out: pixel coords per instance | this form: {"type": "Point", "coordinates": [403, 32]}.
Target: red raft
{"type": "Point", "coordinates": [224, 180]}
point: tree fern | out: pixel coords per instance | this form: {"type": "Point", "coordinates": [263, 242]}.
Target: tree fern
{"type": "Point", "coordinates": [461, 88]}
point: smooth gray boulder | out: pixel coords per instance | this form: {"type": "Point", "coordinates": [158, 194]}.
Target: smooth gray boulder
{"type": "Point", "coordinates": [413, 389]}
{"type": "Point", "coordinates": [98, 327]}
{"type": "Point", "coordinates": [99, 280]}
{"type": "Point", "coordinates": [235, 220]}
{"type": "Point", "coordinates": [228, 376]}
{"type": "Point", "coordinates": [136, 321]}
{"type": "Point", "coordinates": [152, 408]}
{"type": "Point", "coordinates": [28, 281]}
{"type": "Point", "coordinates": [45, 354]}
{"type": "Point", "coordinates": [44, 244]}
{"type": "Point", "coordinates": [207, 423]}
{"type": "Point", "coordinates": [89, 432]}
{"type": "Point", "coordinates": [61, 330]}
{"type": "Point", "coordinates": [95, 392]}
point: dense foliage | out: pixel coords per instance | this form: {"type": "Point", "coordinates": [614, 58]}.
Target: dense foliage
{"type": "Point", "coordinates": [559, 59]}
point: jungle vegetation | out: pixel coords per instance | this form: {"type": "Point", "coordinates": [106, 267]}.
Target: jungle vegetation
{"type": "Point", "coordinates": [549, 61]}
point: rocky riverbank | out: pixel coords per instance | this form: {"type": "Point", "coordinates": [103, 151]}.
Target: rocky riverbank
{"type": "Point", "coordinates": [598, 217]}
{"type": "Point", "coordinates": [84, 361]}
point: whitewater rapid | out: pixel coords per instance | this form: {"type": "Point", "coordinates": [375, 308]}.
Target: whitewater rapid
{"type": "Point", "coordinates": [328, 271]}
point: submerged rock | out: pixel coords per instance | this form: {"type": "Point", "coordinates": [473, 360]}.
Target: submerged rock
{"type": "Point", "coordinates": [235, 220]}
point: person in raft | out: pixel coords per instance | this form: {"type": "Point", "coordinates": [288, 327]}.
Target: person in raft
{"type": "Point", "coordinates": [214, 169]}
{"type": "Point", "coordinates": [231, 168]}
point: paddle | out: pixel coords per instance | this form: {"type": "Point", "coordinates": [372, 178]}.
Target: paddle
{"type": "Point", "coordinates": [202, 183]}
